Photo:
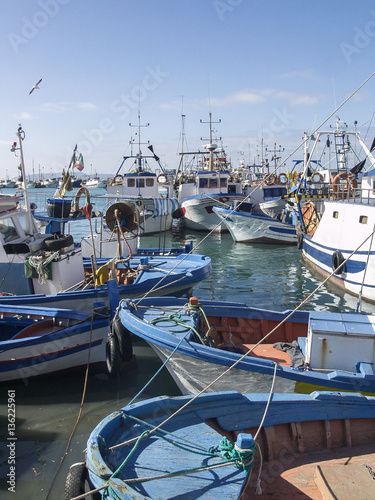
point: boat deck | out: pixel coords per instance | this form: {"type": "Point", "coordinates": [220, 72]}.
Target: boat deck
{"type": "Point", "coordinates": [326, 475]}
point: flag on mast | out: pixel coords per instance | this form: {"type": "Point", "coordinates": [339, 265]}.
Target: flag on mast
{"type": "Point", "coordinates": [79, 163]}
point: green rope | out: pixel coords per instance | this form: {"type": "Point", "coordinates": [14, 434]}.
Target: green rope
{"type": "Point", "coordinates": [243, 459]}
{"type": "Point", "coordinates": [176, 319]}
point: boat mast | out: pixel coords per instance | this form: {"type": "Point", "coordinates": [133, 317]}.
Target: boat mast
{"type": "Point", "coordinates": [139, 155]}
{"type": "Point", "coordinates": [21, 136]}
{"type": "Point", "coordinates": [211, 147]}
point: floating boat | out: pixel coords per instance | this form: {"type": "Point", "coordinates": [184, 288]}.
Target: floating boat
{"type": "Point", "coordinates": [142, 186]}
{"type": "Point", "coordinates": [48, 268]}
{"type": "Point", "coordinates": [247, 226]}
{"type": "Point", "coordinates": [210, 184]}
{"type": "Point", "coordinates": [95, 182]}
{"type": "Point", "coordinates": [339, 225]}
{"type": "Point", "coordinates": [39, 341]}
{"type": "Point", "coordinates": [201, 340]}
{"type": "Point", "coordinates": [9, 201]}
{"type": "Point", "coordinates": [228, 445]}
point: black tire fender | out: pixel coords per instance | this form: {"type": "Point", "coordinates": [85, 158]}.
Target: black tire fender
{"type": "Point", "coordinates": [300, 241]}
{"type": "Point", "coordinates": [112, 356]}
{"type": "Point", "coordinates": [75, 481]}
{"type": "Point", "coordinates": [123, 338]}
{"type": "Point", "coordinates": [337, 262]}
{"type": "Point", "coordinates": [58, 243]}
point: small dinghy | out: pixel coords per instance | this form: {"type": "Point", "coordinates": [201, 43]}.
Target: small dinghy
{"type": "Point", "coordinates": [228, 446]}
{"type": "Point", "coordinates": [37, 341]}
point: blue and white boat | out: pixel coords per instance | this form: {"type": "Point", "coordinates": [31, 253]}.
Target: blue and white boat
{"type": "Point", "coordinates": [49, 268]}
{"type": "Point", "coordinates": [201, 340]}
{"type": "Point", "coordinates": [152, 193]}
{"type": "Point", "coordinates": [248, 226]}
{"type": "Point", "coordinates": [40, 341]}
{"type": "Point", "coordinates": [201, 187]}
{"type": "Point", "coordinates": [227, 445]}
{"type": "Point", "coordinates": [336, 230]}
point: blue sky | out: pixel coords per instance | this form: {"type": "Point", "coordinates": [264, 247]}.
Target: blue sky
{"type": "Point", "coordinates": [265, 68]}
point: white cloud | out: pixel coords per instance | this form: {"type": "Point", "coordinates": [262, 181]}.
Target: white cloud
{"type": "Point", "coordinates": [86, 105]}
{"type": "Point", "coordinates": [24, 115]}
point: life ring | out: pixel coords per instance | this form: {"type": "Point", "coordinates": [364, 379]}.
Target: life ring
{"type": "Point", "coordinates": [54, 244]}
{"type": "Point", "coordinates": [316, 177]}
{"type": "Point", "coordinates": [269, 179]}
{"type": "Point", "coordinates": [112, 356]}
{"type": "Point", "coordinates": [118, 179]}
{"type": "Point", "coordinates": [338, 262]}
{"type": "Point", "coordinates": [282, 179]}
{"type": "Point", "coordinates": [75, 480]}
{"type": "Point", "coordinates": [162, 179]}
{"type": "Point", "coordinates": [122, 335]}
{"type": "Point", "coordinates": [81, 190]}
{"type": "Point", "coordinates": [339, 188]}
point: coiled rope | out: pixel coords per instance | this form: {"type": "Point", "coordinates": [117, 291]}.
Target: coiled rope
{"type": "Point", "coordinates": [40, 263]}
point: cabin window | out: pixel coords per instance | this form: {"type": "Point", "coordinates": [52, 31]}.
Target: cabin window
{"type": "Point", "coordinates": [203, 183]}
{"type": "Point", "coordinates": [363, 219]}
{"type": "Point", "coordinates": [8, 230]}
{"type": "Point", "coordinates": [149, 182]}
{"type": "Point", "coordinates": [335, 215]}
{"type": "Point", "coordinates": [223, 182]}
{"type": "Point", "coordinates": [131, 183]}
{"type": "Point", "coordinates": [213, 183]}
{"type": "Point", "coordinates": [140, 183]}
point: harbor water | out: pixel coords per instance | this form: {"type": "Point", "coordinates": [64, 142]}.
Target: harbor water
{"type": "Point", "coordinates": [47, 410]}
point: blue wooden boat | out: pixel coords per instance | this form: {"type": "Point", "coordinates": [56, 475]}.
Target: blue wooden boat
{"type": "Point", "coordinates": [39, 341]}
{"type": "Point", "coordinates": [216, 446]}
{"type": "Point", "coordinates": [200, 340]}
{"type": "Point", "coordinates": [49, 268]}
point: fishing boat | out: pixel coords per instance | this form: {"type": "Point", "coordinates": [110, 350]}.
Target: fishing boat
{"type": "Point", "coordinates": [95, 182]}
{"type": "Point", "coordinates": [242, 347]}
{"type": "Point", "coordinates": [248, 226]}
{"type": "Point", "coordinates": [227, 445]}
{"type": "Point", "coordinates": [40, 341]}
{"type": "Point", "coordinates": [142, 186]}
{"type": "Point", "coordinates": [49, 268]}
{"type": "Point", "coordinates": [201, 186]}
{"type": "Point", "coordinates": [336, 229]}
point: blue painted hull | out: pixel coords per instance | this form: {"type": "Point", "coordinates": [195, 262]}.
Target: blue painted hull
{"type": "Point", "coordinates": [194, 365]}
{"type": "Point", "coordinates": [37, 341]}
{"type": "Point", "coordinates": [164, 274]}
{"type": "Point", "coordinates": [190, 431]}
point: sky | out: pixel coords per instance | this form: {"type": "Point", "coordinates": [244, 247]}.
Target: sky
{"type": "Point", "coordinates": [267, 71]}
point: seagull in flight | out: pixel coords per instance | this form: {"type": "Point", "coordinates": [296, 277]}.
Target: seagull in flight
{"type": "Point", "coordinates": [35, 86]}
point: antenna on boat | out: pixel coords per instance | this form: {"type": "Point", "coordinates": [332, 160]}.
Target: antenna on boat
{"type": "Point", "coordinates": [139, 156]}
{"type": "Point", "coordinates": [211, 146]}
{"type": "Point", "coordinates": [21, 136]}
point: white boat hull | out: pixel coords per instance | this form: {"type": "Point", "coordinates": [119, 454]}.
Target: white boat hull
{"type": "Point", "coordinates": [199, 215]}
{"type": "Point", "coordinates": [340, 229]}
{"type": "Point", "coordinates": [258, 228]}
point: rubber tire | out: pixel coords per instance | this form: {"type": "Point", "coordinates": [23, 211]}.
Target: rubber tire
{"type": "Point", "coordinates": [337, 262]}
{"type": "Point", "coordinates": [300, 241]}
{"type": "Point", "coordinates": [123, 338]}
{"type": "Point", "coordinates": [75, 481]}
{"type": "Point", "coordinates": [112, 356]}
{"type": "Point", "coordinates": [59, 243]}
